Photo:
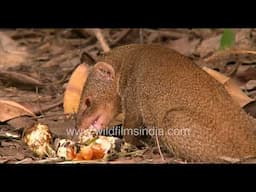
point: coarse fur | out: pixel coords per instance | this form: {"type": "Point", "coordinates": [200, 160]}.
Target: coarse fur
{"type": "Point", "coordinates": [159, 88]}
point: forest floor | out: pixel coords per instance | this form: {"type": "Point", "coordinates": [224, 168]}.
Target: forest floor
{"type": "Point", "coordinates": [36, 64]}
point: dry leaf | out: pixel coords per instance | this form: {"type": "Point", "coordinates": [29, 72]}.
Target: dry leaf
{"type": "Point", "coordinates": [15, 77]}
{"type": "Point", "coordinates": [21, 122]}
{"type": "Point", "coordinates": [247, 75]}
{"type": "Point", "coordinates": [243, 39]}
{"type": "Point", "coordinates": [10, 53]}
{"type": "Point", "coordinates": [208, 46]}
{"type": "Point", "coordinates": [11, 109]}
{"type": "Point", "coordinates": [220, 59]}
{"type": "Point", "coordinates": [184, 45]}
{"type": "Point", "coordinates": [250, 85]}
{"type": "Point", "coordinates": [38, 108]}
{"type": "Point", "coordinates": [74, 89]}
{"type": "Point", "coordinates": [239, 97]}
{"type": "Point", "coordinates": [250, 108]}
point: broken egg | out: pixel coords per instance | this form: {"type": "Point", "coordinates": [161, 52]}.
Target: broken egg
{"type": "Point", "coordinates": [38, 139]}
{"type": "Point", "coordinates": [88, 135]}
{"type": "Point", "coordinates": [65, 149]}
{"type": "Point", "coordinates": [91, 145]}
{"type": "Point", "coordinates": [85, 153]}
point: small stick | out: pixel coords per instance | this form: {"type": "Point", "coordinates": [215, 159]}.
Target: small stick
{"type": "Point", "coordinates": [38, 102]}
{"type": "Point", "coordinates": [159, 149]}
{"type": "Point", "coordinates": [121, 36]}
{"type": "Point", "coordinates": [101, 39]}
{"type": "Point", "coordinates": [233, 71]}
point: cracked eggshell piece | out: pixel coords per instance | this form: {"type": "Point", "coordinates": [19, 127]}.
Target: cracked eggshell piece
{"type": "Point", "coordinates": [85, 153]}
{"type": "Point", "coordinates": [38, 139]}
{"type": "Point", "coordinates": [88, 135]}
{"type": "Point", "coordinates": [65, 149]}
{"type": "Point", "coordinates": [109, 143]}
{"type": "Point", "coordinates": [106, 143]}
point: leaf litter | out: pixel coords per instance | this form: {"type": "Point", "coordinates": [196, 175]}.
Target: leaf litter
{"type": "Point", "coordinates": [36, 66]}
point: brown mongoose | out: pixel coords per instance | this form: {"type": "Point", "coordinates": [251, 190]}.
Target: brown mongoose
{"type": "Point", "coordinates": [159, 88]}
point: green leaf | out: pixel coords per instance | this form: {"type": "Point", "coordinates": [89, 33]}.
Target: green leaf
{"type": "Point", "coordinates": [227, 39]}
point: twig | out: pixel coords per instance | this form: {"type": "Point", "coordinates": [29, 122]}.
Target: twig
{"type": "Point", "coordinates": [233, 71]}
{"type": "Point", "coordinates": [133, 153]}
{"type": "Point", "coordinates": [87, 58]}
{"type": "Point", "coordinates": [159, 149]}
{"type": "Point", "coordinates": [46, 108]}
{"type": "Point", "coordinates": [141, 36]}
{"type": "Point", "coordinates": [50, 116]}
{"type": "Point", "coordinates": [121, 36]}
{"type": "Point", "coordinates": [24, 161]}
{"type": "Point", "coordinates": [48, 160]}
{"type": "Point", "coordinates": [38, 102]}
{"type": "Point", "coordinates": [223, 57]}
{"type": "Point", "coordinates": [101, 39]}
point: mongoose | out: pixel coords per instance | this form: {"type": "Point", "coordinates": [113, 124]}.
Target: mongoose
{"type": "Point", "coordinates": [159, 88]}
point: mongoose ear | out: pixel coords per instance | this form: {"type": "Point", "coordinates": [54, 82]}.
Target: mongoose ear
{"type": "Point", "coordinates": [104, 71]}
{"type": "Point", "coordinates": [87, 59]}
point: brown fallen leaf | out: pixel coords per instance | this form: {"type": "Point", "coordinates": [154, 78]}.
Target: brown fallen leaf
{"type": "Point", "coordinates": [38, 108]}
{"type": "Point", "coordinates": [23, 122]}
{"type": "Point", "coordinates": [208, 46]}
{"type": "Point", "coordinates": [247, 75]}
{"type": "Point", "coordinates": [251, 108]}
{"type": "Point", "coordinates": [19, 78]}
{"type": "Point", "coordinates": [11, 109]}
{"type": "Point", "coordinates": [74, 89]}
{"type": "Point", "coordinates": [236, 93]}
{"type": "Point", "coordinates": [10, 53]}
{"type": "Point", "coordinates": [63, 59]}
{"type": "Point", "coordinates": [220, 59]}
{"type": "Point", "coordinates": [184, 45]}
{"type": "Point", "coordinates": [250, 85]}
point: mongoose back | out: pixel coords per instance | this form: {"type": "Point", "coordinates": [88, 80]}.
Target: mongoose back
{"type": "Point", "coordinates": [159, 88]}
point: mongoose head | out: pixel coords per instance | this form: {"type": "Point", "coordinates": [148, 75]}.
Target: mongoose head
{"type": "Point", "coordinates": [100, 102]}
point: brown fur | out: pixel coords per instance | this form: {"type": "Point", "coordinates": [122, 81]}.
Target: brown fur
{"type": "Point", "coordinates": [158, 87]}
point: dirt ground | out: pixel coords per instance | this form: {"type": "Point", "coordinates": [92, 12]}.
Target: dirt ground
{"type": "Point", "coordinates": [36, 64]}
